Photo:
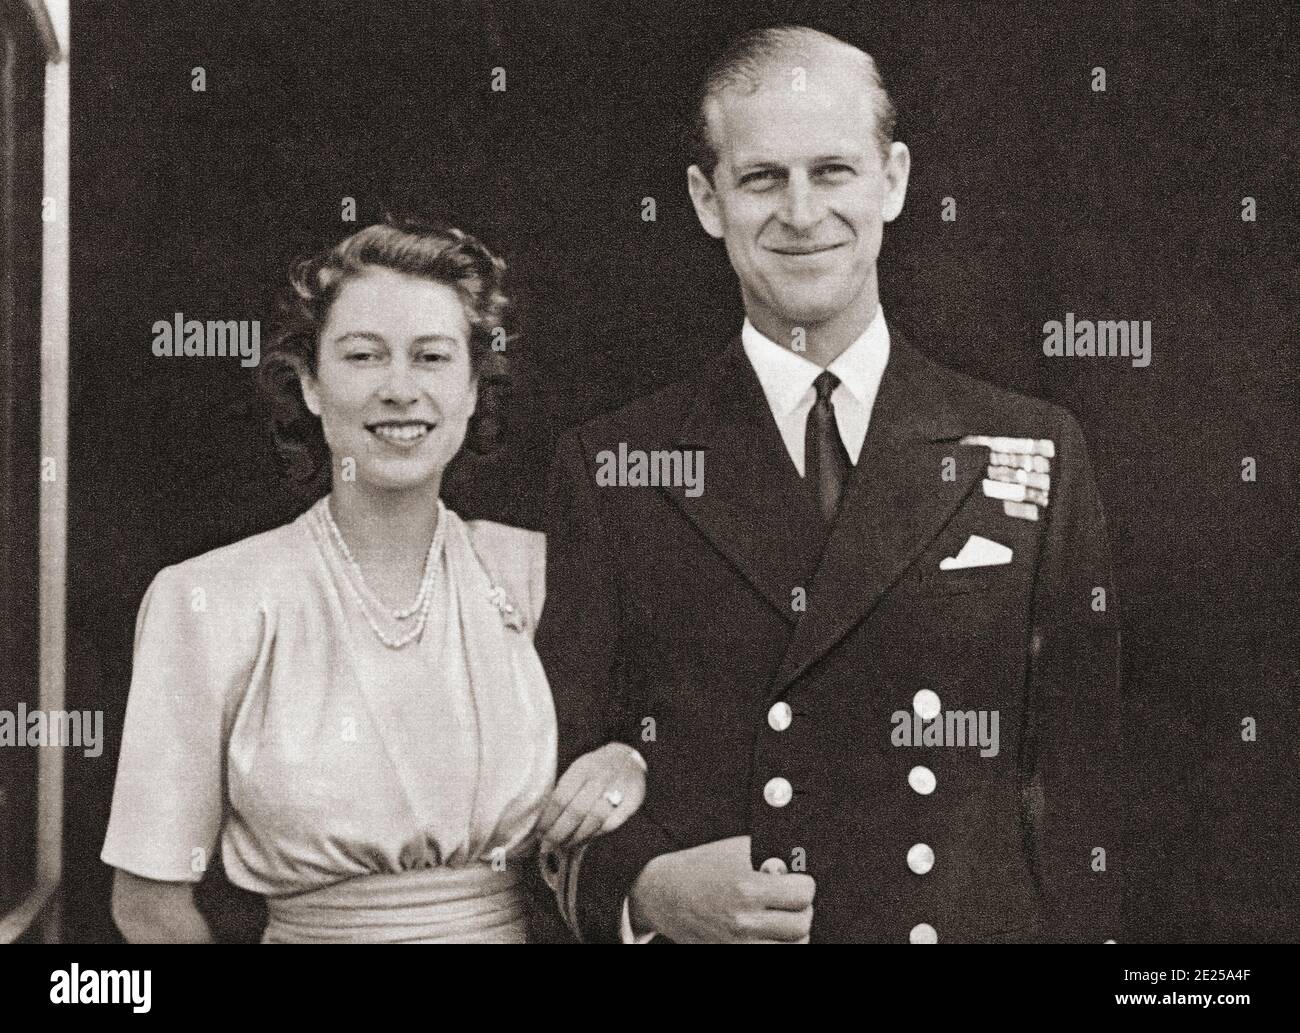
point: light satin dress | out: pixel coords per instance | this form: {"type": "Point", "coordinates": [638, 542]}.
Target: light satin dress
{"type": "Point", "coordinates": [370, 794]}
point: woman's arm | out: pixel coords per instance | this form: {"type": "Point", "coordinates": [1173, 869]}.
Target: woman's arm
{"type": "Point", "coordinates": [149, 911]}
{"type": "Point", "coordinates": [198, 638]}
{"type": "Point", "coordinates": [599, 791]}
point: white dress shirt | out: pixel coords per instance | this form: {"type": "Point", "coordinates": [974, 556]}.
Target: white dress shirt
{"type": "Point", "coordinates": [787, 381]}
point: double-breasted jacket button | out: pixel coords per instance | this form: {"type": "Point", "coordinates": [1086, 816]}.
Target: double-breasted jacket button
{"type": "Point", "coordinates": [926, 704]}
{"type": "Point", "coordinates": [773, 866]}
{"type": "Point", "coordinates": [920, 858]}
{"type": "Point", "coordinates": [923, 933]}
{"type": "Point", "coordinates": [780, 716]}
{"type": "Point", "coordinates": [921, 779]}
{"type": "Point", "coordinates": [778, 792]}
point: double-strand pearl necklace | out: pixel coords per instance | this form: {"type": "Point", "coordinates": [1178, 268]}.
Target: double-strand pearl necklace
{"type": "Point", "coordinates": [419, 608]}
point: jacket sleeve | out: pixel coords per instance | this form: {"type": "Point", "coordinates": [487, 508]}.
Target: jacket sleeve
{"type": "Point", "coordinates": [1074, 755]}
{"type": "Point", "coordinates": [581, 642]}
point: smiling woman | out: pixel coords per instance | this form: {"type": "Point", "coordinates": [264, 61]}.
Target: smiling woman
{"type": "Point", "coordinates": [350, 706]}
{"type": "Point", "coordinates": [448, 263]}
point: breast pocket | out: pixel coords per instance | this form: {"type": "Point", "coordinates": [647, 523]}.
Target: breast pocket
{"type": "Point", "coordinates": [931, 581]}
{"type": "Point", "coordinates": [977, 534]}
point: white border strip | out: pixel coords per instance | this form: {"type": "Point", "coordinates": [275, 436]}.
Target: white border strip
{"type": "Point", "coordinates": [43, 903]}
{"type": "Point", "coordinates": [54, 492]}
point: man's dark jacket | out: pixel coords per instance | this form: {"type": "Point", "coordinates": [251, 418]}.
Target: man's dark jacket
{"type": "Point", "coordinates": [674, 623]}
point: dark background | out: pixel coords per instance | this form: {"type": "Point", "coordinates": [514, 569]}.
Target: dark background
{"type": "Point", "coordinates": [1124, 204]}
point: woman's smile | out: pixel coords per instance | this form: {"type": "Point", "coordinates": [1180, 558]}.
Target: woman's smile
{"type": "Point", "coordinates": [403, 434]}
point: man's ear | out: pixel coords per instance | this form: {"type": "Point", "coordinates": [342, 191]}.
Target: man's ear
{"type": "Point", "coordinates": [705, 199]}
{"type": "Point", "coordinates": [310, 391]}
{"type": "Point", "coordinates": [897, 168]}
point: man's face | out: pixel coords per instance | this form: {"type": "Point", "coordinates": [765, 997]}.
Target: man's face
{"type": "Point", "coordinates": [800, 194]}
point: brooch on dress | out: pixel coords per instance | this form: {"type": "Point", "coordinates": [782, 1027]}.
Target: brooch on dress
{"type": "Point", "coordinates": [510, 616]}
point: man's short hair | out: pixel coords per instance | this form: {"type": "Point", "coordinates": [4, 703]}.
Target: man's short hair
{"type": "Point", "coordinates": [741, 66]}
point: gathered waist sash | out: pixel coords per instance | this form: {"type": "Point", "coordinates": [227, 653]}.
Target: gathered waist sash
{"type": "Point", "coordinates": [473, 904]}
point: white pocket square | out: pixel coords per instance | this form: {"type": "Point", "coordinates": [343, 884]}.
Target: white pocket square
{"type": "Point", "coordinates": [977, 552]}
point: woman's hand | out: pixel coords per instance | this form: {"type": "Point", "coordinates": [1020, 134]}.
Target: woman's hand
{"type": "Point", "coordinates": [600, 791]}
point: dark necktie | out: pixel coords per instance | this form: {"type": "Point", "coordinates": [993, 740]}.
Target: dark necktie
{"type": "Point", "coordinates": [825, 461]}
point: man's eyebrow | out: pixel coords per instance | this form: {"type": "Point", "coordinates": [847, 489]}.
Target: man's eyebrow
{"type": "Point", "coordinates": [749, 168]}
{"type": "Point", "coordinates": [756, 164]}
{"type": "Point", "coordinates": [822, 159]}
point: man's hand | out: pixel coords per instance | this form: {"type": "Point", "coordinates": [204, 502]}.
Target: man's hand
{"type": "Point", "coordinates": [580, 806]}
{"type": "Point", "coordinates": [710, 894]}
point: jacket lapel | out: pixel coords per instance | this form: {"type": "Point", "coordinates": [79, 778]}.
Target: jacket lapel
{"type": "Point", "coordinates": [753, 509]}
{"type": "Point", "coordinates": [895, 504]}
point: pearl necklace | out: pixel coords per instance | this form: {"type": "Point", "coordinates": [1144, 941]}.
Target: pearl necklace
{"type": "Point", "coordinates": [425, 580]}
{"type": "Point", "coordinates": [423, 599]}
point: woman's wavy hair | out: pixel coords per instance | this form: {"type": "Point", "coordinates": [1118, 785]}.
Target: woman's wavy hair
{"type": "Point", "coordinates": [428, 250]}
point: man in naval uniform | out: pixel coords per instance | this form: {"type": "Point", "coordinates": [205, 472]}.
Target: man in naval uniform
{"type": "Point", "coordinates": [871, 658]}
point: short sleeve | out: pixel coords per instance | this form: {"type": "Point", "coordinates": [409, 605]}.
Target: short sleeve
{"type": "Point", "coordinates": [196, 646]}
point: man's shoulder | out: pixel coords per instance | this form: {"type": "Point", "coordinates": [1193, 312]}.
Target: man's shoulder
{"type": "Point", "coordinates": [980, 407]}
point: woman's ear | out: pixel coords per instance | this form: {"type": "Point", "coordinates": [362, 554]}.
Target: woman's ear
{"type": "Point", "coordinates": [473, 394]}
{"type": "Point", "coordinates": [310, 391]}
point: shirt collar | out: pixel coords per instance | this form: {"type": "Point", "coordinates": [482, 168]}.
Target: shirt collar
{"type": "Point", "coordinates": [787, 376]}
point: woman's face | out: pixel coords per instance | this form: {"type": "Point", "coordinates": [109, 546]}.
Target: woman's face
{"type": "Point", "coordinates": [393, 388]}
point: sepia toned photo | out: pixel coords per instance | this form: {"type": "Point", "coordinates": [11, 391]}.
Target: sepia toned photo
{"type": "Point", "coordinates": [589, 473]}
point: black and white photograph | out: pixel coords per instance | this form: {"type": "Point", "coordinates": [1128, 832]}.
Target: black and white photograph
{"type": "Point", "coordinates": [579, 473]}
